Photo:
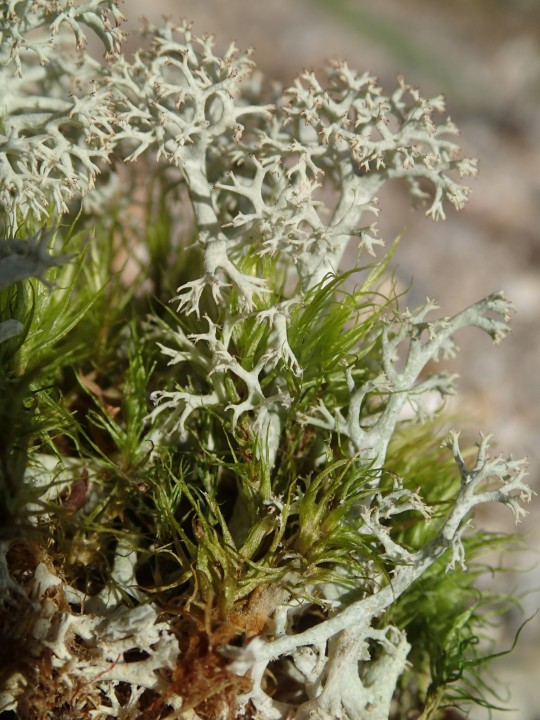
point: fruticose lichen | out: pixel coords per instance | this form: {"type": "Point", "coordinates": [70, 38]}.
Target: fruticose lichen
{"type": "Point", "coordinates": [277, 398]}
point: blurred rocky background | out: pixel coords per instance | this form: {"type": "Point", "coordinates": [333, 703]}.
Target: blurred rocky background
{"type": "Point", "coordinates": [484, 55]}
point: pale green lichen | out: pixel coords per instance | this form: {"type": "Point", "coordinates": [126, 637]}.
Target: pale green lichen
{"type": "Point", "coordinates": [266, 516]}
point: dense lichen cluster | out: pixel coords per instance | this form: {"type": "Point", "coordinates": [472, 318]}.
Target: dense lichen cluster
{"type": "Point", "coordinates": [226, 509]}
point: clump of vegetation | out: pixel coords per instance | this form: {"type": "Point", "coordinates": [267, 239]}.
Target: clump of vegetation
{"type": "Point", "coordinates": [235, 505]}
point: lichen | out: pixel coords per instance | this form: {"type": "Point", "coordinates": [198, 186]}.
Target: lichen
{"type": "Point", "coordinates": [227, 534]}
